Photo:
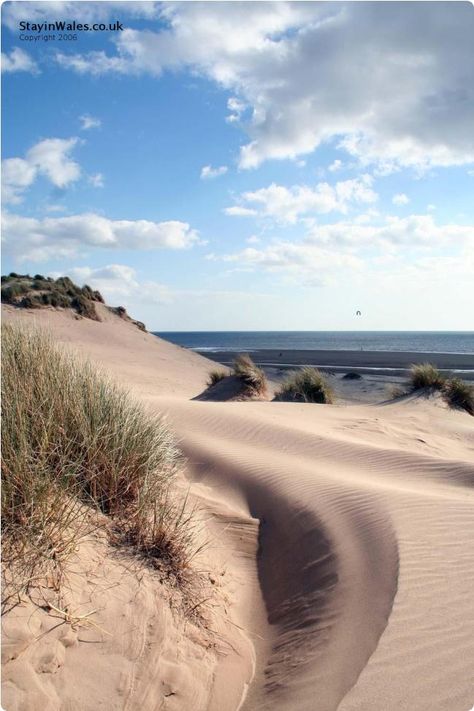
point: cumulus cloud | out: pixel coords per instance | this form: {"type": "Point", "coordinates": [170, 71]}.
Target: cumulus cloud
{"type": "Point", "coordinates": [400, 199]}
{"type": "Point", "coordinates": [411, 231]}
{"type": "Point", "coordinates": [208, 172]}
{"type": "Point", "coordinates": [392, 82]}
{"type": "Point", "coordinates": [33, 239]}
{"type": "Point", "coordinates": [316, 265]}
{"type": "Point", "coordinates": [329, 251]}
{"type": "Point", "coordinates": [49, 158]}
{"type": "Point", "coordinates": [116, 281]}
{"type": "Point", "coordinates": [17, 175]}
{"type": "Point", "coordinates": [18, 61]}
{"type": "Point", "coordinates": [88, 122]}
{"type": "Point", "coordinates": [289, 204]}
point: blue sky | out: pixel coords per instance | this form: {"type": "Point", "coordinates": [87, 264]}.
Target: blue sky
{"type": "Point", "coordinates": [247, 165]}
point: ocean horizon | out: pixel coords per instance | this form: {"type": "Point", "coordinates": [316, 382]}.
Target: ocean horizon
{"type": "Point", "coordinates": [408, 341]}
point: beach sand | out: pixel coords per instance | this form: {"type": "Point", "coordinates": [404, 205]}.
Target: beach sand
{"type": "Point", "coordinates": [340, 551]}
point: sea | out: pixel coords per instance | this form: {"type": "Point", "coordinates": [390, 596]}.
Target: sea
{"type": "Point", "coordinates": [415, 341]}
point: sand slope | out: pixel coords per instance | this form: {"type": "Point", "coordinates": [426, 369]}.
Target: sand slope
{"type": "Point", "coordinates": [132, 356]}
{"type": "Point", "coordinates": [346, 534]}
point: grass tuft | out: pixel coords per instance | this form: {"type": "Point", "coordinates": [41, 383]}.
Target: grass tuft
{"type": "Point", "coordinates": [215, 376]}
{"type": "Point", "coordinates": [426, 375]}
{"type": "Point", "coordinates": [459, 394]}
{"type": "Point", "coordinates": [252, 377]}
{"type": "Point", "coordinates": [75, 445]}
{"type": "Point", "coordinates": [306, 385]}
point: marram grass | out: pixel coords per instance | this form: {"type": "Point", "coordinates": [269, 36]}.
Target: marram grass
{"type": "Point", "coordinates": [305, 385]}
{"type": "Point", "coordinates": [75, 445]}
{"type": "Point", "coordinates": [426, 375]}
{"type": "Point", "coordinates": [253, 378]}
{"type": "Point", "coordinates": [459, 395]}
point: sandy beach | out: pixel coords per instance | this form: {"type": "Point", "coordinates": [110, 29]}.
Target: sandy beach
{"type": "Point", "coordinates": [340, 550]}
{"type": "Point", "coordinates": [371, 362]}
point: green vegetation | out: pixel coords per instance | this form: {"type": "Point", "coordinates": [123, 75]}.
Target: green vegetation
{"type": "Point", "coordinates": [37, 292]}
{"type": "Point", "coordinates": [252, 377]}
{"type": "Point", "coordinates": [459, 394]}
{"type": "Point", "coordinates": [215, 376]}
{"type": "Point", "coordinates": [78, 451]}
{"type": "Point", "coordinates": [305, 385]}
{"type": "Point", "coordinates": [426, 375]}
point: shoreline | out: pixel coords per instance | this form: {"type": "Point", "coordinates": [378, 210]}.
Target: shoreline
{"type": "Point", "coordinates": [389, 363]}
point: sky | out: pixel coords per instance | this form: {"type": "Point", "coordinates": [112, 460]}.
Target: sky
{"type": "Point", "coordinates": [246, 165]}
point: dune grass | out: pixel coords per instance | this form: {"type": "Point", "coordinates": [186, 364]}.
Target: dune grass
{"type": "Point", "coordinates": [459, 394]}
{"type": "Point", "coordinates": [75, 447]}
{"type": "Point", "coordinates": [456, 393]}
{"type": "Point", "coordinates": [253, 378]}
{"type": "Point", "coordinates": [215, 376]}
{"type": "Point", "coordinates": [305, 385]}
{"type": "Point", "coordinates": [38, 292]}
{"type": "Point", "coordinates": [426, 375]}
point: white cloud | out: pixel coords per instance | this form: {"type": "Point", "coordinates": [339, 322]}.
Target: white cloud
{"type": "Point", "coordinates": [96, 180]}
{"type": "Point", "coordinates": [289, 204]}
{"type": "Point", "coordinates": [431, 207]}
{"type": "Point", "coordinates": [240, 211]}
{"type": "Point", "coordinates": [316, 265]}
{"type": "Point", "coordinates": [17, 175]}
{"type": "Point", "coordinates": [208, 172]}
{"type": "Point", "coordinates": [119, 281]}
{"type": "Point", "coordinates": [236, 108]}
{"type": "Point", "coordinates": [95, 63]}
{"type": "Point", "coordinates": [411, 231]}
{"type": "Point", "coordinates": [88, 122]}
{"type": "Point", "coordinates": [253, 239]}
{"type": "Point", "coordinates": [391, 81]}
{"type": "Point", "coordinates": [329, 253]}
{"type": "Point", "coordinates": [400, 199]}
{"type": "Point", "coordinates": [41, 239]}
{"type": "Point", "coordinates": [18, 61]}
{"type": "Point", "coordinates": [335, 165]}
{"type": "Point", "coordinates": [50, 158]}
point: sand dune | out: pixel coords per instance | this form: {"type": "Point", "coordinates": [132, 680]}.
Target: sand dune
{"type": "Point", "coordinates": [345, 535]}
{"type": "Point", "coordinates": [359, 544]}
